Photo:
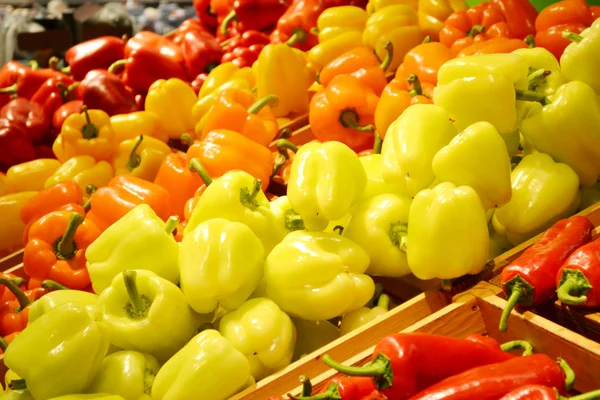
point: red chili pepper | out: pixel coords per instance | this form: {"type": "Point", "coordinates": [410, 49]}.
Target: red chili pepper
{"type": "Point", "coordinates": [71, 107]}
{"type": "Point", "coordinates": [294, 27]}
{"type": "Point", "coordinates": [53, 93]}
{"type": "Point", "coordinates": [344, 388]}
{"type": "Point", "coordinates": [375, 395]}
{"type": "Point", "coordinates": [405, 363]}
{"type": "Point", "coordinates": [14, 313]}
{"type": "Point", "coordinates": [244, 50]}
{"type": "Point", "coordinates": [154, 41]}
{"type": "Point", "coordinates": [539, 392]}
{"type": "Point", "coordinates": [198, 82]}
{"type": "Point", "coordinates": [105, 91]}
{"type": "Point", "coordinates": [490, 382]}
{"type": "Point", "coordinates": [30, 115]}
{"type": "Point", "coordinates": [15, 146]}
{"type": "Point", "coordinates": [97, 53]}
{"type": "Point", "coordinates": [530, 279]}
{"type": "Point", "coordinates": [206, 14]}
{"type": "Point", "coordinates": [255, 14]}
{"type": "Point", "coordinates": [201, 51]}
{"type": "Point", "coordinates": [578, 279]}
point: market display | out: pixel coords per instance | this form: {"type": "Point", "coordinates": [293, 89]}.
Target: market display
{"type": "Point", "coordinates": [183, 239]}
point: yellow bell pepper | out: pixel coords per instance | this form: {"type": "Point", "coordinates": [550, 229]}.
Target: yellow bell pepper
{"type": "Point", "coordinates": [282, 70]}
{"type": "Point", "coordinates": [11, 228]}
{"type": "Point", "coordinates": [433, 14]}
{"type": "Point", "coordinates": [397, 24]}
{"type": "Point", "coordinates": [4, 187]}
{"type": "Point", "coordinates": [30, 175]}
{"type": "Point", "coordinates": [84, 170]}
{"type": "Point", "coordinates": [376, 5]}
{"type": "Point", "coordinates": [325, 52]}
{"type": "Point", "coordinates": [89, 133]}
{"type": "Point", "coordinates": [130, 126]}
{"type": "Point", "coordinates": [140, 157]}
{"type": "Point", "coordinates": [172, 101]}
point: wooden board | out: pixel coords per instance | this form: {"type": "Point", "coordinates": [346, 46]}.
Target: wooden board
{"type": "Point", "coordinates": [11, 260]}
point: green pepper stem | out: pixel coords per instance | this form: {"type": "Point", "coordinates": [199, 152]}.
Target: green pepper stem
{"type": "Point", "coordinates": [565, 296]}
{"type": "Point", "coordinates": [530, 41]}
{"type": "Point", "coordinates": [569, 373]}
{"type": "Point", "coordinates": [314, 31]}
{"type": "Point", "coordinates": [306, 385]}
{"type": "Point", "coordinates": [3, 344]}
{"type": "Point", "coordinates": [384, 302]}
{"type": "Point", "coordinates": [196, 166]}
{"type": "Point", "coordinates": [134, 159]}
{"type": "Point", "coordinates": [339, 229]}
{"type": "Point", "coordinates": [511, 303]}
{"type": "Point", "coordinates": [349, 119]}
{"type": "Point", "coordinates": [270, 100]}
{"type": "Point", "coordinates": [232, 16]}
{"type": "Point", "coordinates": [572, 36]}
{"type": "Point", "coordinates": [248, 195]}
{"type": "Point", "coordinates": [389, 54]}
{"type": "Point", "coordinates": [138, 303]}
{"type": "Point", "coordinates": [518, 345]}
{"type": "Point", "coordinates": [584, 396]}
{"type": "Point", "coordinates": [298, 36]}
{"type": "Point", "coordinates": [380, 369]}
{"type": "Point", "coordinates": [377, 143]}
{"type": "Point", "coordinates": [426, 39]}
{"type": "Point", "coordinates": [17, 280]}
{"type": "Point", "coordinates": [19, 294]}
{"type": "Point", "coordinates": [17, 384]}
{"type": "Point", "coordinates": [116, 65]}
{"type": "Point", "coordinates": [10, 89]}
{"type": "Point", "coordinates": [285, 133]}
{"type": "Point", "coordinates": [280, 160]}
{"type": "Point", "coordinates": [65, 247]}
{"type": "Point", "coordinates": [210, 11]}
{"type": "Point", "coordinates": [186, 138]}
{"type": "Point", "coordinates": [33, 64]}
{"type": "Point", "coordinates": [53, 285]}
{"type": "Point", "coordinates": [446, 285]}
{"type": "Point", "coordinates": [475, 30]}
{"type": "Point", "coordinates": [293, 221]}
{"type": "Point", "coordinates": [529, 95]}
{"type": "Point", "coordinates": [171, 224]}
{"type": "Point", "coordinates": [52, 63]}
{"type": "Point", "coordinates": [417, 89]}
{"type": "Point", "coordinates": [283, 144]}
{"type": "Point", "coordinates": [89, 130]}
{"type": "Point", "coordinates": [90, 190]}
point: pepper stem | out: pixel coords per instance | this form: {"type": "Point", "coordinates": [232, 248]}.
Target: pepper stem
{"type": "Point", "coordinates": [384, 302]}
{"type": "Point", "coordinates": [53, 285]}
{"type": "Point", "coordinates": [270, 100]}
{"type": "Point", "coordinates": [380, 369]}
{"type": "Point", "coordinates": [475, 30]}
{"type": "Point", "coordinates": [90, 189]}
{"type": "Point", "coordinates": [339, 229]}
{"type": "Point", "coordinates": [283, 144]}
{"type": "Point", "coordinates": [138, 305]}
{"type": "Point", "coordinates": [518, 345]}
{"type": "Point", "coordinates": [10, 89]}
{"type": "Point", "coordinates": [529, 95]}
{"type": "Point", "coordinates": [285, 133]}
{"type": "Point", "coordinates": [569, 373]}
{"type": "Point", "coordinates": [134, 159]}
{"type": "Point", "coordinates": [530, 41]}
{"type": "Point", "coordinates": [33, 64]}
{"type": "Point", "coordinates": [377, 143]}
{"type": "Point", "coordinates": [116, 65]}
{"type": "Point", "coordinates": [585, 396]}
{"type": "Point", "coordinates": [511, 303]}
{"type": "Point", "coordinates": [280, 160]}
{"type": "Point", "coordinates": [417, 89]}
{"type": "Point", "coordinates": [349, 119]}
{"type": "Point", "coordinates": [17, 384]}
{"type": "Point", "coordinates": [293, 221]}
{"type": "Point", "coordinates": [446, 285]}
{"type": "Point", "coordinates": [19, 294]}
{"type": "Point", "coordinates": [389, 49]}
{"type": "Point", "coordinates": [232, 16]}
{"type": "Point", "coordinates": [572, 36]}
{"type": "Point", "coordinates": [186, 138]}
{"type": "Point", "coordinates": [565, 296]}
{"type": "Point", "coordinates": [65, 246]}
{"type": "Point", "coordinates": [248, 196]}
{"type": "Point", "coordinates": [298, 36]}
{"type": "Point", "coordinates": [89, 130]}
{"type": "Point", "coordinates": [3, 344]}
{"type": "Point", "coordinates": [196, 166]}
{"type": "Point", "coordinates": [171, 224]}
{"type": "Point", "coordinates": [426, 39]}
{"type": "Point", "coordinates": [306, 385]}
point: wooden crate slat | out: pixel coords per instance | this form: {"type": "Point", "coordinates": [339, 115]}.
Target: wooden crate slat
{"type": "Point", "coordinates": [11, 260]}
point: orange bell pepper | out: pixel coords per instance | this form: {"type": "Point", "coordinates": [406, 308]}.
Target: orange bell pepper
{"type": "Point", "coordinates": [397, 96]}
{"type": "Point", "coordinates": [236, 110]}
{"type": "Point", "coordinates": [56, 248]}
{"type": "Point", "coordinates": [362, 63]}
{"type": "Point", "coordinates": [110, 203]}
{"type": "Point", "coordinates": [190, 204]}
{"type": "Point", "coordinates": [223, 150]}
{"type": "Point", "coordinates": [14, 313]}
{"type": "Point", "coordinates": [7, 295]}
{"type": "Point", "coordinates": [181, 183]}
{"type": "Point", "coordinates": [492, 46]}
{"type": "Point", "coordinates": [8, 339]}
{"type": "Point", "coordinates": [425, 60]}
{"type": "Point", "coordinates": [344, 111]}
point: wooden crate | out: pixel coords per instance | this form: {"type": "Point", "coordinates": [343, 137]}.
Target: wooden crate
{"type": "Point", "coordinates": [11, 260]}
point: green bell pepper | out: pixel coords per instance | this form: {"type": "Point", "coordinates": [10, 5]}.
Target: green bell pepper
{"type": "Point", "coordinates": [545, 75]}
{"type": "Point", "coordinates": [221, 263]}
{"type": "Point", "coordinates": [139, 240]}
{"type": "Point", "coordinates": [59, 353]}
{"type": "Point", "coordinates": [263, 333]}
{"type": "Point", "coordinates": [355, 319]}
{"type": "Point", "coordinates": [147, 313]}
{"type": "Point", "coordinates": [372, 164]}
{"type": "Point", "coordinates": [326, 179]}
{"type": "Point", "coordinates": [312, 335]}
{"type": "Point", "coordinates": [287, 219]}
{"type": "Point", "coordinates": [568, 129]}
{"type": "Point", "coordinates": [543, 193]}
{"type": "Point", "coordinates": [581, 59]}
{"type": "Point", "coordinates": [410, 144]}
{"type": "Point", "coordinates": [448, 235]}
{"type": "Point", "coordinates": [208, 367]}
{"type": "Point", "coordinates": [14, 394]}
{"type": "Point", "coordinates": [478, 158]}
{"type": "Point", "coordinates": [589, 197]}
{"type": "Point", "coordinates": [128, 374]}
{"type": "Point", "coordinates": [57, 298]}
{"type": "Point", "coordinates": [317, 275]}
{"type": "Point", "coordinates": [380, 225]}
{"type": "Point", "coordinates": [237, 197]}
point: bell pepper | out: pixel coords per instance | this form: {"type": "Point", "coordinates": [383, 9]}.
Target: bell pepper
{"type": "Point", "coordinates": [237, 196]}
{"type": "Point", "coordinates": [287, 219]}
{"type": "Point", "coordinates": [575, 110]}
{"type": "Point", "coordinates": [29, 81]}
{"type": "Point", "coordinates": [449, 218]}
{"type": "Point", "coordinates": [105, 91]}
{"type": "Point", "coordinates": [380, 226]}
{"type": "Point", "coordinates": [236, 110]}
{"type": "Point", "coordinates": [375, 184]}
{"type": "Point", "coordinates": [9, 74]}
{"type": "Point", "coordinates": [31, 175]}
{"type": "Point", "coordinates": [326, 179]}
{"type": "Point", "coordinates": [172, 101]}
{"type": "Point", "coordinates": [122, 194]}
{"type": "Point", "coordinates": [201, 52]}
{"type": "Point", "coordinates": [14, 312]}
{"type": "Point", "coordinates": [411, 144]}
{"type": "Point", "coordinates": [206, 14]}
{"type": "Point", "coordinates": [397, 24]}
{"type": "Point", "coordinates": [12, 228]}
{"type": "Point", "coordinates": [252, 15]}
{"type": "Point", "coordinates": [244, 50]}
{"type": "Point", "coordinates": [128, 374]}
{"type": "Point", "coordinates": [493, 46]}
{"type": "Point", "coordinates": [376, 5]}
{"type": "Point", "coordinates": [72, 351]}
{"type": "Point", "coordinates": [15, 145]}
{"type": "Point", "coordinates": [306, 261]}
{"type": "Point", "coordinates": [140, 157]}
{"type": "Point", "coordinates": [397, 96]}
{"type": "Point", "coordinates": [363, 316]}
{"type": "Point", "coordinates": [88, 133]}
{"type": "Point", "coordinates": [460, 164]}
{"type": "Point", "coordinates": [344, 112]}
{"type": "Point", "coordinates": [312, 335]}
{"type": "Point", "coordinates": [61, 114]}
{"type": "Point", "coordinates": [89, 396]}
{"type": "Point", "coordinates": [425, 61]}
{"type": "Point", "coordinates": [30, 115]}
{"type": "Point", "coordinates": [84, 171]}
{"type": "Point", "coordinates": [295, 25]}
{"type": "Point", "coordinates": [207, 354]}
{"type": "Point", "coordinates": [281, 71]}
{"type": "Point", "coordinates": [132, 125]}
{"type": "Point", "coordinates": [97, 53]}
{"type": "Point", "coordinates": [175, 176]}
{"type": "Point", "coordinates": [53, 93]}
{"type": "Point", "coordinates": [144, 312]}
{"type": "Point", "coordinates": [536, 203]}
{"type": "Point", "coordinates": [433, 14]}
{"type": "Point", "coordinates": [547, 76]}
{"type": "Point", "coordinates": [221, 151]}
{"type": "Point", "coordinates": [57, 298]}
{"type": "Point", "coordinates": [579, 60]}
{"type": "Point", "coordinates": [189, 25]}
{"type": "Point", "coordinates": [151, 40]}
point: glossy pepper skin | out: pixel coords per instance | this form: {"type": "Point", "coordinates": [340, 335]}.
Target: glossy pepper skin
{"type": "Point", "coordinates": [584, 47]}
{"type": "Point", "coordinates": [357, 318]}
{"type": "Point", "coordinates": [104, 91]}
{"type": "Point", "coordinates": [578, 278]}
{"type": "Point", "coordinates": [97, 53]}
{"type": "Point", "coordinates": [136, 74]}
{"type": "Point", "coordinates": [15, 145]}
{"type": "Point", "coordinates": [294, 26]}
{"type": "Point", "coordinates": [494, 45]}
{"type": "Point", "coordinates": [30, 115]}
{"type": "Point", "coordinates": [140, 157]}
{"type": "Point", "coordinates": [540, 392]}
{"type": "Point", "coordinates": [530, 279]}
{"type": "Point", "coordinates": [206, 14]}
{"type": "Point", "coordinates": [30, 175]}
{"type": "Point", "coordinates": [14, 311]}
{"type": "Point", "coordinates": [52, 94]}
{"type": "Point", "coordinates": [244, 50]}
{"type": "Point", "coordinates": [305, 261]}
{"type": "Point", "coordinates": [172, 101]}
{"type": "Point", "coordinates": [57, 298]}
{"type": "Point", "coordinates": [255, 15]}
{"type": "Point", "coordinates": [538, 59]}
{"type": "Point", "coordinates": [62, 112]}
{"type": "Point", "coordinates": [207, 356]}
{"type": "Point", "coordinates": [84, 171]}
{"type": "Point", "coordinates": [88, 133]}
{"type": "Point", "coordinates": [151, 40]}
{"type": "Point", "coordinates": [201, 52]}
{"type": "Point", "coordinates": [29, 81]}
{"type": "Point", "coordinates": [73, 350]}
{"type": "Point", "coordinates": [9, 74]}
{"type": "Point", "coordinates": [132, 125]}
{"type": "Point", "coordinates": [181, 183]}
{"type": "Point", "coordinates": [433, 14]}
{"type": "Point", "coordinates": [12, 228]}
{"type": "Point", "coordinates": [375, 184]}
{"type": "Point", "coordinates": [132, 306]}
{"type": "Point", "coordinates": [267, 337]}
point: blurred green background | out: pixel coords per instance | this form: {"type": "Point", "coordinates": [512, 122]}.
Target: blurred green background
{"type": "Point", "coordinates": [539, 4]}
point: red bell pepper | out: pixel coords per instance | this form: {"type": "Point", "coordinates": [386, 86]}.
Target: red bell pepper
{"type": "Point", "coordinates": [490, 382]}
{"type": "Point", "coordinates": [295, 25]}
{"type": "Point", "coordinates": [189, 25]}
{"type": "Point", "coordinates": [405, 363]}
{"type": "Point", "coordinates": [29, 114]}
{"type": "Point", "coordinates": [206, 14]}
{"type": "Point", "coordinates": [43, 151]}
{"type": "Point", "coordinates": [201, 51]}
{"type": "Point", "coordinates": [105, 91]}
{"type": "Point", "coordinates": [29, 81]}
{"type": "Point", "coordinates": [337, 3]}
{"type": "Point", "coordinates": [530, 279]}
{"type": "Point", "coordinates": [520, 16]}
{"type": "Point", "coordinates": [578, 279]}
{"type": "Point", "coordinates": [255, 14]}
{"type": "Point", "coordinates": [539, 392]}
{"type": "Point", "coordinates": [71, 107]}
{"type": "Point", "coordinates": [198, 82]}
{"type": "Point", "coordinates": [97, 53]}
{"type": "Point", "coordinates": [9, 74]}
{"type": "Point", "coordinates": [244, 50]}
{"type": "Point", "coordinates": [15, 146]}
{"type": "Point", "coordinates": [160, 44]}
{"type": "Point", "coordinates": [14, 313]}
{"type": "Point", "coordinates": [53, 93]}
